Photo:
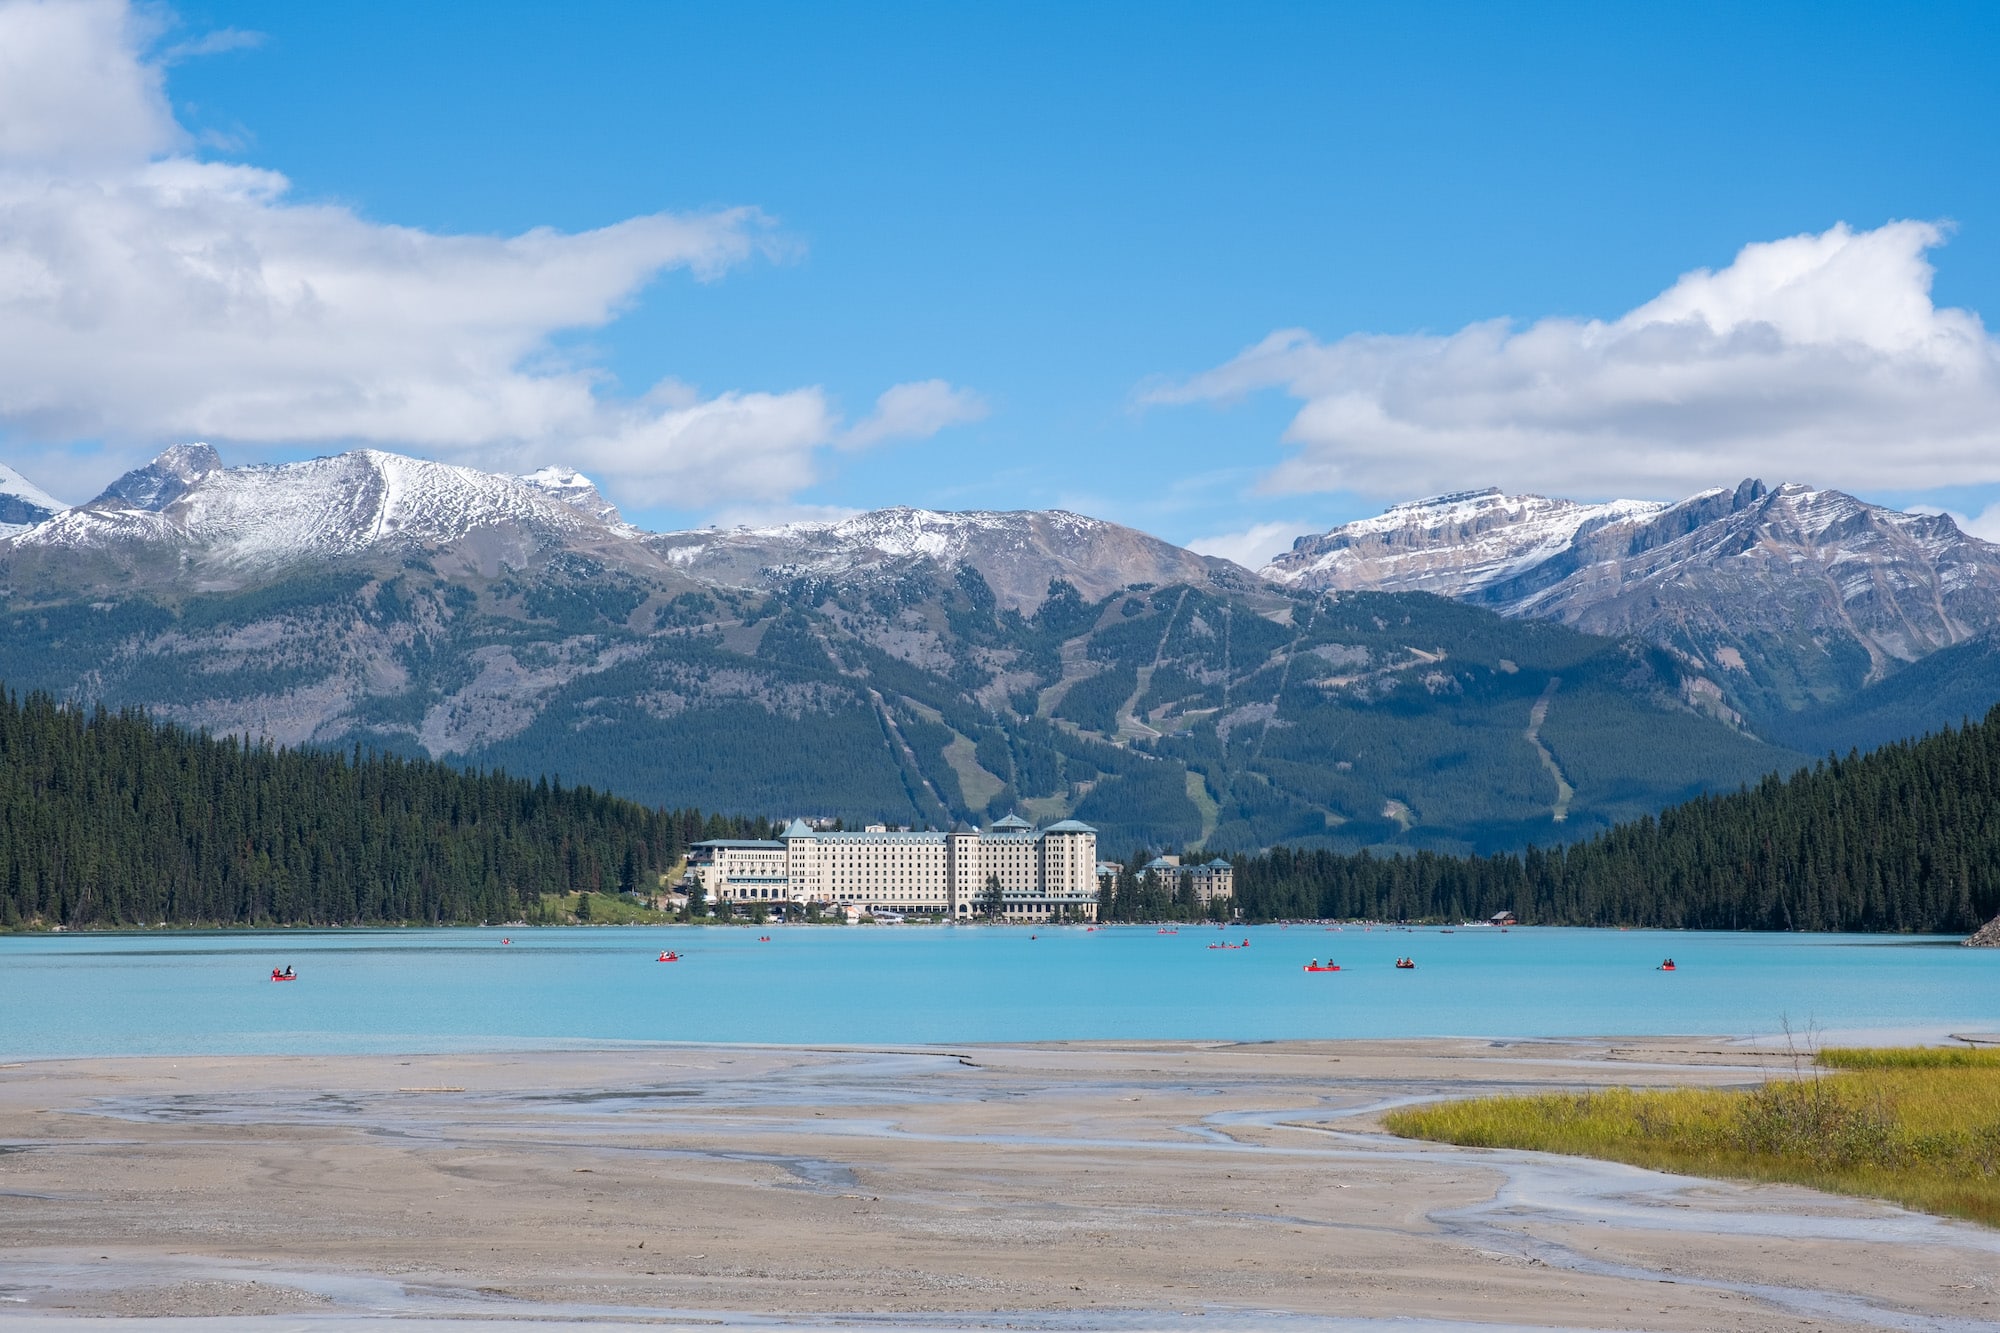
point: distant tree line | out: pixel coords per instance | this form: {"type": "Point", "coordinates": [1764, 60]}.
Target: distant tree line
{"type": "Point", "coordinates": [113, 819]}
{"type": "Point", "coordinates": [1904, 838]}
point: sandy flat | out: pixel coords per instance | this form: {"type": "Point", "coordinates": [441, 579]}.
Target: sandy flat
{"type": "Point", "coordinates": [1098, 1185]}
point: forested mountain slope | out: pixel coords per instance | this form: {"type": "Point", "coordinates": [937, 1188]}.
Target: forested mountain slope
{"type": "Point", "coordinates": [1905, 838]}
{"type": "Point", "coordinates": [1946, 689]}
{"type": "Point", "coordinates": [1161, 715]}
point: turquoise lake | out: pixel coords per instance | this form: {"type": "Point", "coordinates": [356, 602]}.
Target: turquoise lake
{"type": "Point", "coordinates": [464, 989]}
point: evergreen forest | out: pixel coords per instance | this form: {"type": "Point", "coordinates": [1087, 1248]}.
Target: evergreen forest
{"type": "Point", "coordinates": [1904, 838]}
{"type": "Point", "coordinates": [112, 819]}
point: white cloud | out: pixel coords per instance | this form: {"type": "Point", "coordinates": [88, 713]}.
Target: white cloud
{"type": "Point", "coordinates": [213, 43]}
{"type": "Point", "coordinates": [777, 515]}
{"type": "Point", "coordinates": [1253, 547]}
{"type": "Point", "coordinates": [148, 296]}
{"type": "Point", "coordinates": [1984, 525]}
{"type": "Point", "coordinates": [916, 411]}
{"type": "Point", "coordinates": [1816, 358]}
{"type": "Point", "coordinates": [737, 447]}
{"type": "Point", "coordinates": [72, 90]}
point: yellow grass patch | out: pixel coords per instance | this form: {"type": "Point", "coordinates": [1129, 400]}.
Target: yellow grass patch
{"type": "Point", "coordinates": [1919, 1127]}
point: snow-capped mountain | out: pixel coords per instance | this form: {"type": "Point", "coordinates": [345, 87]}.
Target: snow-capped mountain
{"type": "Point", "coordinates": [1775, 600]}
{"type": "Point", "coordinates": [187, 515]}
{"type": "Point", "coordinates": [269, 516]}
{"type": "Point", "coordinates": [1017, 553]}
{"type": "Point", "coordinates": [23, 504]}
{"type": "Point", "coordinates": [856, 665]}
{"type": "Point", "coordinates": [187, 521]}
{"type": "Point", "coordinates": [1448, 544]}
{"type": "Point", "coordinates": [1732, 565]}
{"type": "Point", "coordinates": [575, 490]}
{"type": "Point", "coordinates": [1793, 595]}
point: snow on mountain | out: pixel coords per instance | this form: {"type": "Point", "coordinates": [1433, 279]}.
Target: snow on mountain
{"type": "Point", "coordinates": [1795, 596]}
{"type": "Point", "coordinates": [1016, 552]}
{"type": "Point", "coordinates": [1447, 544]}
{"type": "Point", "coordinates": [23, 504]}
{"type": "Point", "coordinates": [223, 525]}
{"type": "Point", "coordinates": [1791, 560]}
{"type": "Point", "coordinates": [575, 490]}
{"type": "Point", "coordinates": [270, 515]}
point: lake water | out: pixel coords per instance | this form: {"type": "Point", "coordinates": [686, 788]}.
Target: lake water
{"type": "Point", "coordinates": [464, 989]}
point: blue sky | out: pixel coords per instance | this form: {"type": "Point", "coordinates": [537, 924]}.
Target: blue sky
{"type": "Point", "coordinates": [1072, 214]}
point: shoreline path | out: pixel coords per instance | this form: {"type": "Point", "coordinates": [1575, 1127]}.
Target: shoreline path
{"type": "Point", "coordinates": [1128, 1186]}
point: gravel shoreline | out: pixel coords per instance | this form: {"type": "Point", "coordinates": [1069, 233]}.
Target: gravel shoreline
{"type": "Point", "coordinates": [1058, 1186]}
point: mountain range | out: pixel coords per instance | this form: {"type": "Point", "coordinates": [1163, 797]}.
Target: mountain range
{"type": "Point", "coordinates": [1791, 598]}
{"type": "Point", "coordinates": [1468, 673]}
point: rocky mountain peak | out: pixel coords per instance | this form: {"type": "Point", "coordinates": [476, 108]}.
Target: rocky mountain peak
{"type": "Point", "coordinates": [1795, 595]}
{"type": "Point", "coordinates": [162, 481]}
{"type": "Point", "coordinates": [1447, 544]}
{"type": "Point", "coordinates": [1017, 552]}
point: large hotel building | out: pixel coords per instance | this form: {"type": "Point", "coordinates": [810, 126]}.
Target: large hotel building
{"type": "Point", "coordinates": [1043, 874]}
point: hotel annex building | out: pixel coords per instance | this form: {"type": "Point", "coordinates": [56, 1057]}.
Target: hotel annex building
{"type": "Point", "coordinates": [1043, 874]}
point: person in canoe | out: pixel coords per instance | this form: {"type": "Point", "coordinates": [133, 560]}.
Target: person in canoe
{"type": "Point", "coordinates": [1667, 966]}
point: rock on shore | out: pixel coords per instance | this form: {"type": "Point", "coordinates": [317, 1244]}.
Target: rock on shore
{"type": "Point", "coordinates": [1987, 936]}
